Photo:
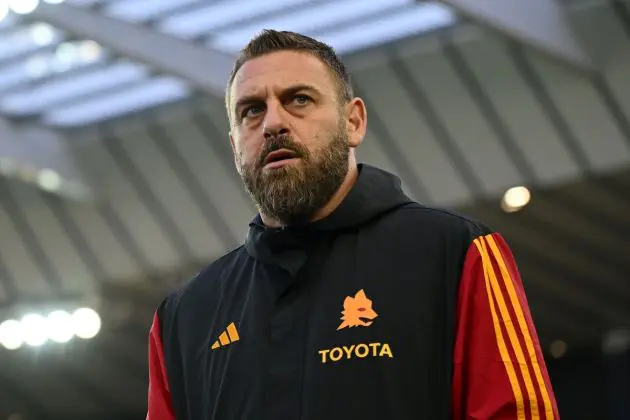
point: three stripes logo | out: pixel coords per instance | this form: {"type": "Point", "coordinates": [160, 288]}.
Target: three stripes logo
{"type": "Point", "coordinates": [229, 336]}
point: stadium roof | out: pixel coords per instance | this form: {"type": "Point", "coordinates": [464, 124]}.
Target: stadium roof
{"type": "Point", "coordinates": [63, 79]}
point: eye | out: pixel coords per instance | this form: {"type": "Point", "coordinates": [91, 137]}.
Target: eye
{"type": "Point", "coordinates": [251, 111]}
{"type": "Point", "coordinates": [361, 309]}
{"type": "Point", "coordinates": [301, 99]}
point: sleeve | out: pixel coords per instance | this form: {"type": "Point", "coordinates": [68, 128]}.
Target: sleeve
{"type": "Point", "coordinates": [159, 398]}
{"type": "Point", "coordinates": [499, 371]}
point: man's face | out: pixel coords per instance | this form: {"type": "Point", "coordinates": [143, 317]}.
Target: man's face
{"type": "Point", "coordinates": [289, 134]}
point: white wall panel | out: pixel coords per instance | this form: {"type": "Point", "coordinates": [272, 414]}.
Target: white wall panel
{"type": "Point", "coordinates": [115, 261]}
{"type": "Point", "coordinates": [607, 40]}
{"type": "Point", "coordinates": [65, 263]}
{"type": "Point", "coordinates": [115, 189]}
{"type": "Point", "coordinates": [216, 175]}
{"type": "Point", "coordinates": [23, 269]}
{"type": "Point", "coordinates": [579, 103]}
{"type": "Point", "coordinates": [522, 114]}
{"type": "Point", "coordinates": [465, 122]}
{"type": "Point", "coordinates": [372, 152]}
{"type": "Point", "coordinates": [5, 297]}
{"type": "Point", "coordinates": [617, 77]}
{"type": "Point", "coordinates": [171, 194]}
{"type": "Point", "coordinates": [409, 132]}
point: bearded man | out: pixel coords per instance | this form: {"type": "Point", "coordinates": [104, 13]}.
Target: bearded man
{"type": "Point", "coordinates": [348, 300]}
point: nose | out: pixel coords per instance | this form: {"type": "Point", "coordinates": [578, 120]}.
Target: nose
{"type": "Point", "coordinates": [274, 124]}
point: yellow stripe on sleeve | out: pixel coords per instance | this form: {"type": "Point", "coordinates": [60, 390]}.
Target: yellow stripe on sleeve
{"type": "Point", "coordinates": [509, 326]}
{"type": "Point", "coordinates": [505, 355]}
{"type": "Point", "coordinates": [518, 310]}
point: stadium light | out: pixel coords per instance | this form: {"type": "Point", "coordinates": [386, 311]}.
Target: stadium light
{"type": "Point", "coordinates": [11, 334]}
{"type": "Point", "coordinates": [86, 323]}
{"type": "Point", "coordinates": [49, 180]}
{"type": "Point", "coordinates": [557, 349]}
{"type": "Point", "coordinates": [515, 199]}
{"type": "Point", "coordinates": [34, 330]}
{"type": "Point", "coordinates": [89, 51]}
{"type": "Point", "coordinates": [58, 326]}
{"type": "Point", "coordinates": [42, 34]}
{"type": "Point", "coordinates": [4, 10]}
{"type": "Point", "coordinates": [23, 7]}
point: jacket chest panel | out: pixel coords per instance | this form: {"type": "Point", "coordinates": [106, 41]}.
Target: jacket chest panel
{"type": "Point", "coordinates": [345, 320]}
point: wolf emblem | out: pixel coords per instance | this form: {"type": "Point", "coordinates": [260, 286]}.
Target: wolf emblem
{"type": "Point", "coordinates": [357, 311]}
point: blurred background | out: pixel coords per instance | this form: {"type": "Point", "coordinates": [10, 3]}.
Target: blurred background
{"type": "Point", "coordinates": [117, 181]}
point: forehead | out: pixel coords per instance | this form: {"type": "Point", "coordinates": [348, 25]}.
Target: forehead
{"type": "Point", "coordinates": [281, 69]}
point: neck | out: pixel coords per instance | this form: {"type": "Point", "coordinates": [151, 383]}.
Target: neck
{"type": "Point", "coordinates": [335, 200]}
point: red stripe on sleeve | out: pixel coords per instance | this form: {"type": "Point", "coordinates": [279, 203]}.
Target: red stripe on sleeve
{"type": "Point", "coordinates": [499, 372]}
{"type": "Point", "coordinates": [159, 397]}
{"type": "Point", "coordinates": [507, 269]}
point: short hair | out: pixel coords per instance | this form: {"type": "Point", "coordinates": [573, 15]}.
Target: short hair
{"type": "Point", "coordinates": [270, 41]}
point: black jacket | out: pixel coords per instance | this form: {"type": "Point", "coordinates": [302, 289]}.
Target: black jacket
{"type": "Point", "coordinates": [366, 314]}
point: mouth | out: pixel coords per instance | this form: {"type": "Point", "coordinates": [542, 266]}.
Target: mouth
{"type": "Point", "coordinates": [366, 321]}
{"type": "Point", "coordinates": [279, 158]}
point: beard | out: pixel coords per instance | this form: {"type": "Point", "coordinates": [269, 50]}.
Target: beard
{"type": "Point", "coordinates": [292, 194]}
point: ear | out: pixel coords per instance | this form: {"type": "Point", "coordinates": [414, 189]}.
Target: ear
{"type": "Point", "coordinates": [356, 121]}
{"type": "Point", "coordinates": [232, 142]}
{"type": "Point", "coordinates": [234, 152]}
{"type": "Point", "coordinates": [360, 295]}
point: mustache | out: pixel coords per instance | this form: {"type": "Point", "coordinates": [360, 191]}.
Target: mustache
{"type": "Point", "coordinates": [281, 142]}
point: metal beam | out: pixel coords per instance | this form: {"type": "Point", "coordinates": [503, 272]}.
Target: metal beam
{"type": "Point", "coordinates": [202, 67]}
{"type": "Point", "coordinates": [29, 151]}
{"type": "Point", "coordinates": [542, 24]}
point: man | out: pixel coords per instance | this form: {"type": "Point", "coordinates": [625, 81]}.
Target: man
{"type": "Point", "coordinates": [347, 300]}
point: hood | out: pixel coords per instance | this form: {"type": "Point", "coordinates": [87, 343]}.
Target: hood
{"type": "Point", "coordinates": [374, 193]}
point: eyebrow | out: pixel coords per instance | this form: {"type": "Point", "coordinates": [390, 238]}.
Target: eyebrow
{"type": "Point", "coordinates": [257, 98]}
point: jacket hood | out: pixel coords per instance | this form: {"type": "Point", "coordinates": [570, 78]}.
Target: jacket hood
{"type": "Point", "coordinates": [374, 193]}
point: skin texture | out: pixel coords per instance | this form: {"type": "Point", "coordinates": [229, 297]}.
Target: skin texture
{"type": "Point", "coordinates": [289, 100]}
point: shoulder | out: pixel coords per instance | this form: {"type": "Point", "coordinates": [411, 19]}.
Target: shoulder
{"type": "Point", "coordinates": [442, 234]}
{"type": "Point", "coordinates": [435, 222]}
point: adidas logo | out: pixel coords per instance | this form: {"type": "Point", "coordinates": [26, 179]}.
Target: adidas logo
{"type": "Point", "coordinates": [230, 335]}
